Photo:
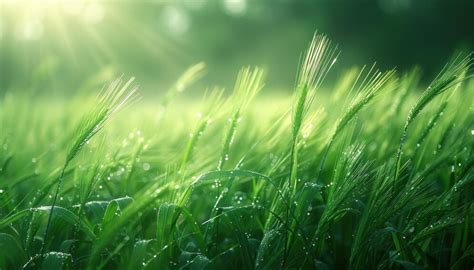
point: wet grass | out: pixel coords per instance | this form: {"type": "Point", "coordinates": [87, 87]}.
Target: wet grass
{"type": "Point", "coordinates": [377, 173]}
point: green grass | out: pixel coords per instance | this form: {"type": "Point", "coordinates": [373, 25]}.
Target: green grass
{"type": "Point", "coordinates": [371, 173]}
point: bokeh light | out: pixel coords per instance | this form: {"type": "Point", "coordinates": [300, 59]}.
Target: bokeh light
{"type": "Point", "coordinates": [176, 20]}
{"type": "Point", "coordinates": [235, 7]}
{"type": "Point", "coordinates": [94, 12]}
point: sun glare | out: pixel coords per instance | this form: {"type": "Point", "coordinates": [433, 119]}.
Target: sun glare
{"type": "Point", "coordinates": [30, 19]}
{"type": "Point", "coordinates": [89, 11]}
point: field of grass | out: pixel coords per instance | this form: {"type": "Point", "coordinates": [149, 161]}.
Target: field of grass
{"type": "Point", "coordinates": [372, 171]}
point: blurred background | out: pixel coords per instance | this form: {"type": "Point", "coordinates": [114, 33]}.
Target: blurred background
{"type": "Point", "coordinates": [59, 44]}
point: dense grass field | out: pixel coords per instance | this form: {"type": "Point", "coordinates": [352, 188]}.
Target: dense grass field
{"type": "Point", "coordinates": [372, 171]}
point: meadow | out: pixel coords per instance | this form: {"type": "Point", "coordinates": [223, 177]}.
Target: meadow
{"type": "Point", "coordinates": [374, 170]}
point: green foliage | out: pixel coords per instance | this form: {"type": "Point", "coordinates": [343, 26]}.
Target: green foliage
{"type": "Point", "coordinates": [377, 175]}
